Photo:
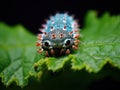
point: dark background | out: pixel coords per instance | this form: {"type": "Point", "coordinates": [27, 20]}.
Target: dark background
{"type": "Point", "coordinates": [32, 14]}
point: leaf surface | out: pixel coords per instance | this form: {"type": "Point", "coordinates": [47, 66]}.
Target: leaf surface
{"type": "Point", "coordinates": [100, 43]}
{"type": "Point", "coordinates": [17, 54]}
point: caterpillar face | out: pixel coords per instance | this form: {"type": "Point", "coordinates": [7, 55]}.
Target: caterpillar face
{"type": "Point", "coordinates": [59, 36]}
{"type": "Point", "coordinates": [57, 39]}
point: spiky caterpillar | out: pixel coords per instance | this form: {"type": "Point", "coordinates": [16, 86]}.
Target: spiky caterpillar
{"type": "Point", "coordinates": [59, 36]}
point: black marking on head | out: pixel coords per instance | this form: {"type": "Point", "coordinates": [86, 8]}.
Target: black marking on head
{"type": "Point", "coordinates": [57, 43]}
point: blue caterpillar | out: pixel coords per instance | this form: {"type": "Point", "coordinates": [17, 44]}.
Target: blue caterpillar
{"type": "Point", "coordinates": [59, 35]}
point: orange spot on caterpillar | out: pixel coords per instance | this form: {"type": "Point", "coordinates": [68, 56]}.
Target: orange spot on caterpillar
{"type": "Point", "coordinates": [38, 44]}
{"type": "Point", "coordinates": [53, 36]}
{"type": "Point", "coordinates": [74, 47]}
{"type": "Point", "coordinates": [61, 35]}
{"type": "Point", "coordinates": [77, 36]}
{"type": "Point", "coordinates": [75, 30]}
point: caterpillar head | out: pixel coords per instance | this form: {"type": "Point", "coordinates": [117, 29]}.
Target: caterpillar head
{"type": "Point", "coordinates": [57, 39]}
{"type": "Point", "coordinates": [59, 36]}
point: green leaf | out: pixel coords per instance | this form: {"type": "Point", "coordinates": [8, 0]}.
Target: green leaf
{"type": "Point", "coordinates": [100, 44]}
{"type": "Point", "coordinates": [17, 54]}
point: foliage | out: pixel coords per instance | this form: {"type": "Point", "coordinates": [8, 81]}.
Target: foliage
{"type": "Point", "coordinates": [100, 44]}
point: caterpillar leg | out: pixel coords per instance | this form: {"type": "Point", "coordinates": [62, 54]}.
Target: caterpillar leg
{"type": "Point", "coordinates": [52, 52]}
{"type": "Point", "coordinates": [39, 50]}
{"type": "Point", "coordinates": [46, 54]}
{"type": "Point", "coordinates": [67, 51]}
{"type": "Point", "coordinates": [61, 51]}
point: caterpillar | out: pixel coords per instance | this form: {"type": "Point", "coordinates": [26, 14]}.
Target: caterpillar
{"type": "Point", "coordinates": [59, 36]}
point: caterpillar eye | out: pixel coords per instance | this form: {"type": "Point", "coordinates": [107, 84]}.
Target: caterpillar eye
{"type": "Point", "coordinates": [67, 42]}
{"type": "Point", "coordinates": [46, 44]}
